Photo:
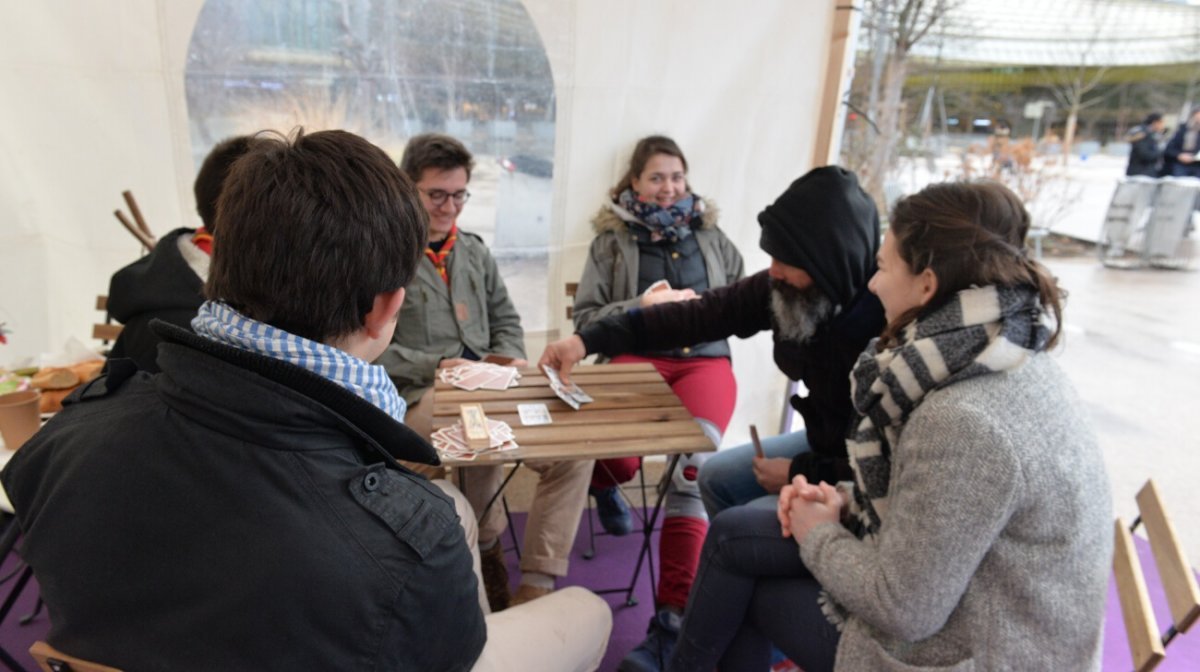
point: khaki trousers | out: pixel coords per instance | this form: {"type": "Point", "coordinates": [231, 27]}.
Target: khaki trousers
{"type": "Point", "coordinates": [554, 516]}
{"type": "Point", "coordinates": [565, 631]}
{"type": "Point", "coordinates": [558, 500]}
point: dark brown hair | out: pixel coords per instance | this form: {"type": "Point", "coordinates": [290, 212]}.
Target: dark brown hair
{"type": "Point", "coordinates": [646, 148]}
{"type": "Point", "coordinates": [434, 150]}
{"type": "Point", "coordinates": [313, 228]}
{"type": "Point", "coordinates": [969, 234]}
{"type": "Point", "coordinates": [207, 187]}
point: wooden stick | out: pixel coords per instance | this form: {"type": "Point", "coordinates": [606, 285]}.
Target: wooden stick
{"type": "Point", "coordinates": [137, 214]}
{"type": "Point", "coordinates": [145, 240]}
{"type": "Point", "coordinates": [758, 449]}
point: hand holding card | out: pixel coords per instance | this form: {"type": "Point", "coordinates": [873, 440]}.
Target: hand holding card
{"type": "Point", "coordinates": [570, 393]}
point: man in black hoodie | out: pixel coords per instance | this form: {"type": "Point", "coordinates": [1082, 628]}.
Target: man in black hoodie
{"type": "Point", "coordinates": [822, 234]}
{"type": "Point", "coordinates": [168, 283]}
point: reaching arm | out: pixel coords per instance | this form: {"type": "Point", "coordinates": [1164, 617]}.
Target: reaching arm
{"type": "Point", "coordinates": [741, 309]}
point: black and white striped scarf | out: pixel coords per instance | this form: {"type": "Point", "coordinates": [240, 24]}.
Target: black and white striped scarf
{"type": "Point", "coordinates": [980, 330]}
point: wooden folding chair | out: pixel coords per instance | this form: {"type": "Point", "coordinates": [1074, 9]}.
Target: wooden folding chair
{"type": "Point", "coordinates": [105, 331]}
{"type": "Point", "coordinates": [51, 660]}
{"type": "Point", "coordinates": [1147, 644]}
{"type": "Point", "coordinates": [571, 289]}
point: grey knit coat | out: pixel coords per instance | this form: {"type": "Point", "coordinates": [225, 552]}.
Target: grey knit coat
{"type": "Point", "coordinates": [995, 550]}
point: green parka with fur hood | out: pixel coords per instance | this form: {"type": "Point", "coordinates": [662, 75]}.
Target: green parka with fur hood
{"type": "Point", "coordinates": [610, 277]}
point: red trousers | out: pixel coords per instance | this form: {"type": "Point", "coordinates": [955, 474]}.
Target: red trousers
{"type": "Point", "coordinates": [708, 390]}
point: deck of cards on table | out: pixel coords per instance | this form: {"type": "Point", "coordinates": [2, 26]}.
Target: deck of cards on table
{"type": "Point", "coordinates": [480, 376]}
{"type": "Point", "coordinates": [571, 394]}
{"type": "Point", "coordinates": [451, 444]}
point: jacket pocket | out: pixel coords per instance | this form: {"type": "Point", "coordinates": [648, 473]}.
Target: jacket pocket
{"type": "Point", "coordinates": [416, 516]}
{"type": "Point", "coordinates": [858, 650]}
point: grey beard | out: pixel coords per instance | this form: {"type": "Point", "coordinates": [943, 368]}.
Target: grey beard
{"type": "Point", "coordinates": [798, 312]}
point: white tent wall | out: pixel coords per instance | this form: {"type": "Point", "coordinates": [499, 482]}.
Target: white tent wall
{"type": "Point", "coordinates": [95, 105]}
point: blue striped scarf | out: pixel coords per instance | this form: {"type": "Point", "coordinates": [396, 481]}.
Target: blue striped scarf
{"type": "Point", "coordinates": [221, 323]}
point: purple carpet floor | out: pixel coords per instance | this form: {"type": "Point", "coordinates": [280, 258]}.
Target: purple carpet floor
{"type": "Point", "coordinates": [613, 566]}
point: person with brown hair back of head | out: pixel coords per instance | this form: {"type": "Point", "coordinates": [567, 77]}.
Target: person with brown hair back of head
{"type": "Point", "coordinates": [167, 283]}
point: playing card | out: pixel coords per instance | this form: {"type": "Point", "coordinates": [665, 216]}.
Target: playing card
{"type": "Point", "coordinates": [534, 414]}
{"type": "Point", "coordinates": [480, 375]}
{"type": "Point", "coordinates": [451, 445]}
{"type": "Point", "coordinates": [571, 394]}
{"type": "Point", "coordinates": [501, 379]}
{"type": "Point", "coordinates": [580, 396]}
{"type": "Point", "coordinates": [552, 374]}
{"type": "Point", "coordinates": [475, 379]}
{"type": "Point", "coordinates": [661, 284]}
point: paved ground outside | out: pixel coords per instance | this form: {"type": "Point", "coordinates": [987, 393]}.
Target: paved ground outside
{"type": "Point", "coordinates": [1132, 349]}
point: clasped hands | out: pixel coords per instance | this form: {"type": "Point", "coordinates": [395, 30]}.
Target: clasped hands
{"type": "Point", "coordinates": [803, 506]}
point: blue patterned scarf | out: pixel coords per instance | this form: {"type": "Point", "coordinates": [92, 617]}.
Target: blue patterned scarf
{"type": "Point", "coordinates": [671, 223]}
{"type": "Point", "coordinates": [221, 323]}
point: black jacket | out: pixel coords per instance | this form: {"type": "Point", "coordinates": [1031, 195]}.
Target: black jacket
{"type": "Point", "coordinates": [1171, 164]}
{"type": "Point", "coordinates": [1145, 152]}
{"type": "Point", "coordinates": [236, 512]}
{"type": "Point", "coordinates": [743, 309]}
{"type": "Point", "coordinates": [160, 286]}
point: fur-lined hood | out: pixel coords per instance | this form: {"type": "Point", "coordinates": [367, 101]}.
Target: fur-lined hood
{"type": "Point", "coordinates": [612, 217]}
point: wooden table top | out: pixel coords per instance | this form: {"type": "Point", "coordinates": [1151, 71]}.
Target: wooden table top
{"type": "Point", "coordinates": [635, 413]}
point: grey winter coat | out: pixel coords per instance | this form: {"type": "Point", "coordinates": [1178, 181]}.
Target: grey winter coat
{"type": "Point", "coordinates": [437, 322]}
{"type": "Point", "coordinates": [610, 276]}
{"type": "Point", "coordinates": [995, 551]}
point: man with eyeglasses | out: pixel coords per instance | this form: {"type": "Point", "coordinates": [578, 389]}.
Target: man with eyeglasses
{"type": "Point", "coordinates": [456, 310]}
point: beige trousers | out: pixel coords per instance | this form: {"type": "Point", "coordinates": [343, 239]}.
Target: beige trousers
{"type": "Point", "coordinates": [565, 631]}
{"type": "Point", "coordinates": [558, 500]}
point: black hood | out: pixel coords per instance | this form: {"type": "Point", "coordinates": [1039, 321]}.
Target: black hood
{"type": "Point", "coordinates": [826, 225]}
{"type": "Point", "coordinates": [161, 280]}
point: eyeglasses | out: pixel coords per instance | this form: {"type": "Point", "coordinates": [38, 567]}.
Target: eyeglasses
{"type": "Point", "coordinates": [438, 196]}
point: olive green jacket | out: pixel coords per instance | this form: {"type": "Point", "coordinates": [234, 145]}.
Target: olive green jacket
{"type": "Point", "coordinates": [437, 322]}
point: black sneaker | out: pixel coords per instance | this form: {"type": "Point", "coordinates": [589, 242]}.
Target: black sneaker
{"type": "Point", "coordinates": [614, 514]}
{"type": "Point", "coordinates": [654, 651]}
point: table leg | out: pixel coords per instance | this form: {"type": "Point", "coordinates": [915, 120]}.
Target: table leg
{"type": "Point", "coordinates": [648, 523]}
{"type": "Point", "coordinates": [462, 484]}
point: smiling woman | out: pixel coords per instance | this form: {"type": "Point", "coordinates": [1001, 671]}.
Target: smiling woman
{"type": "Point", "coordinates": [390, 70]}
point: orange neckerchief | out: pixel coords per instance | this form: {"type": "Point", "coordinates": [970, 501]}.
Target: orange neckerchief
{"type": "Point", "coordinates": [203, 240]}
{"type": "Point", "coordinates": [439, 258]}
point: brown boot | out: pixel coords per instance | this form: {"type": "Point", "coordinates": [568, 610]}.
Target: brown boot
{"type": "Point", "coordinates": [528, 593]}
{"type": "Point", "coordinates": [495, 577]}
